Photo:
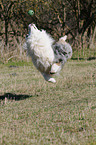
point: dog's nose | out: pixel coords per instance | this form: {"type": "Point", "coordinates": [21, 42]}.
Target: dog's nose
{"type": "Point", "coordinates": [32, 24]}
{"type": "Point", "coordinates": [29, 25]}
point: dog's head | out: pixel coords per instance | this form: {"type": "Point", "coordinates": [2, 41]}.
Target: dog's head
{"type": "Point", "coordinates": [38, 36]}
{"type": "Point", "coordinates": [32, 30]}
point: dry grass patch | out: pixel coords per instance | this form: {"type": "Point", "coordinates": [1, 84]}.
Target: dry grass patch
{"type": "Point", "coordinates": [33, 111]}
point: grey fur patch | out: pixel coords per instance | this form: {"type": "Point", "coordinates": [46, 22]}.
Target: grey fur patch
{"type": "Point", "coordinates": [62, 52]}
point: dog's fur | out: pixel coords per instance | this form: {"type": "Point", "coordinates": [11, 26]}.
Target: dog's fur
{"type": "Point", "coordinates": [47, 56]}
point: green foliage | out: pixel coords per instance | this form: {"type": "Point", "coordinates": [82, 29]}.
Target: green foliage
{"type": "Point", "coordinates": [18, 63]}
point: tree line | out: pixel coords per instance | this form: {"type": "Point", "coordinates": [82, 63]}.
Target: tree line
{"type": "Point", "coordinates": [73, 18]}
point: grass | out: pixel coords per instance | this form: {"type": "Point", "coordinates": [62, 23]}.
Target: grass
{"type": "Point", "coordinates": [84, 54]}
{"type": "Point", "coordinates": [33, 111]}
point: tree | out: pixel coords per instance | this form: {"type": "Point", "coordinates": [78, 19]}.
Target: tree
{"type": "Point", "coordinates": [56, 17]}
{"type": "Point", "coordinates": [6, 15]}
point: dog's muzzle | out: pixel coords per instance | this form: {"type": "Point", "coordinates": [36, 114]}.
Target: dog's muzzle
{"type": "Point", "coordinates": [32, 25]}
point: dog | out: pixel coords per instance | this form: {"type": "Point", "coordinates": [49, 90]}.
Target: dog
{"type": "Point", "coordinates": [47, 55]}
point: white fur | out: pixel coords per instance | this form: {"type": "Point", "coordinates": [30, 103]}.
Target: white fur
{"type": "Point", "coordinates": [63, 38]}
{"type": "Point", "coordinates": [39, 48]}
{"type": "Point", "coordinates": [55, 68]}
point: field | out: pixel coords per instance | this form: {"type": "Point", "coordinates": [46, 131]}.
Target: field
{"type": "Point", "coordinates": [35, 112]}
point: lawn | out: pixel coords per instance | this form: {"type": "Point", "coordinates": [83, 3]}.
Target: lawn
{"type": "Point", "coordinates": [35, 112]}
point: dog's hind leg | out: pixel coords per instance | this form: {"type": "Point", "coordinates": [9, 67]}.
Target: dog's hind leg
{"type": "Point", "coordinates": [56, 67]}
{"type": "Point", "coordinates": [48, 78]}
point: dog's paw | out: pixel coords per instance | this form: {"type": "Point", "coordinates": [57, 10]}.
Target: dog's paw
{"type": "Point", "coordinates": [56, 67]}
{"type": "Point", "coordinates": [52, 80]}
{"type": "Point", "coordinates": [48, 78]}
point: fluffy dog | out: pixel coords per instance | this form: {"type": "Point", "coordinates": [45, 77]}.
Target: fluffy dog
{"type": "Point", "coordinates": [47, 56]}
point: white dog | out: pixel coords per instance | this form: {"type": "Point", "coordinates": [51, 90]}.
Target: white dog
{"type": "Point", "coordinates": [47, 56]}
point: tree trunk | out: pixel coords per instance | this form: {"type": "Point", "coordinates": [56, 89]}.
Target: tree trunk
{"type": "Point", "coordinates": [6, 32]}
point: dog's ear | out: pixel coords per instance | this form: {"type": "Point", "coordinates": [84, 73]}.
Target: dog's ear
{"type": "Point", "coordinates": [63, 38]}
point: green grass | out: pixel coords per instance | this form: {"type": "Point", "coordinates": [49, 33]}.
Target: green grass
{"type": "Point", "coordinates": [84, 54]}
{"type": "Point", "coordinates": [33, 111]}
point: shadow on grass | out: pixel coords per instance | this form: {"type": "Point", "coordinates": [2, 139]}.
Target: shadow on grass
{"type": "Point", "coordinates": [11, 96]}
{"type": "Point", "coordinates": [90, 58]}
{"type": "Point", "coordinates": [77, 58]}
